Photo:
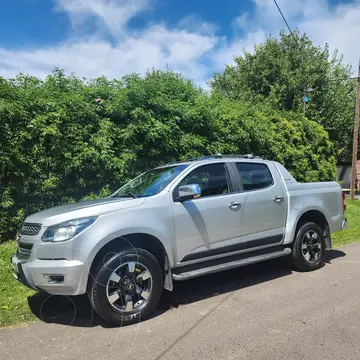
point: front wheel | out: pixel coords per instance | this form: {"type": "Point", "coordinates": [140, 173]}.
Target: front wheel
{"type": "Point", "coordinates": [127, 288]}
{"type": "Point", "coordinates": [309, 247]}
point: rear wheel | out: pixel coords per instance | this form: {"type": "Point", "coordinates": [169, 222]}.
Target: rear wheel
{"type": "Point", "coordinates": [309, 247]}
{"type": "Point", "coordinates": [127, 288]}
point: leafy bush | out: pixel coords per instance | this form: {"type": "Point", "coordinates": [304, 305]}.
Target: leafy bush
{"type": "Point", "coordinates": [65, 139]}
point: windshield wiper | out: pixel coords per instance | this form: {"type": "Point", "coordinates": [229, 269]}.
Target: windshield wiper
{"type": "Point", "coordinates": [127, 195]}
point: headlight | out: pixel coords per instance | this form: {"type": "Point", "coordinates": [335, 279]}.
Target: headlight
{"type": "Point", "coordinates": [67, 230]}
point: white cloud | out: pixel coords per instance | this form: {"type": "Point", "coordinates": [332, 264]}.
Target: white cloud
{"type": "Point", "coordinates": [194, 24]}
{"type": "Point", "coordinates": [194, 47]}
{"type": "Point", "coordinates": [241, 22]}
{"type": "Point", "coordinates": [340, 28]}
{"type": "Point", "coordinates": [113, 14]}
{"type": "Point", "coordinates": [157, 48]}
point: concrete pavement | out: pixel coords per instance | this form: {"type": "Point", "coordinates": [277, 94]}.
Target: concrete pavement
{"type": "Point", "coordinates": [264, 311]}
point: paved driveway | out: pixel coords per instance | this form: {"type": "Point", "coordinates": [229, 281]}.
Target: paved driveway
{"type": "Point", "coordinates": [259, 312]}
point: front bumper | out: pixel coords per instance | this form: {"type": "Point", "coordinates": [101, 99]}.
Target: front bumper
{"type": "Point", "coordinates": [32, 274]}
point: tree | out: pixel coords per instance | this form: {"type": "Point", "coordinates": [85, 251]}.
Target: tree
{"type": "Point", "coordinates": [279, 71]}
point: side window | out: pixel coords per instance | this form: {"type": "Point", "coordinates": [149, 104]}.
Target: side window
{"type": "Point", "coordinates": [213, 179]}
{"type": "Point", "coordinates": [254, 176]}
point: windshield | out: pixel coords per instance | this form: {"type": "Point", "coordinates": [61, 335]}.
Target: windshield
{"type": "Point", "coordinates": [150, 182]}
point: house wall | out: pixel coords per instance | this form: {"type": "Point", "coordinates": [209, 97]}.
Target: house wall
{"type": "Point", "coordinates": [344, 174]}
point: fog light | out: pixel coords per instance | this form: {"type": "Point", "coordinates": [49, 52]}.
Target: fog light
{"type": "Point", "coordinates": [54, 279]}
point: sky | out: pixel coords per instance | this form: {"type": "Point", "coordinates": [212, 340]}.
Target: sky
{"type": "Point", "coordinates": [92, 38]}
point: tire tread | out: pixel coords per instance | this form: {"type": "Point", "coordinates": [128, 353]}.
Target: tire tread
{"type": "Point", "coordinates": [298, 260]}
{"type": "Point", "coordinates": [95, 287]}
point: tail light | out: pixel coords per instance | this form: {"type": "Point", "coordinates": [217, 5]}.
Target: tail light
{"type": "Point", "coordinates": [343, 201]}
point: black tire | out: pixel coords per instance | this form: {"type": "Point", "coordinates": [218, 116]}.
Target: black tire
{"type": "Point", "coordinates": [300, 255]}
{"type": "Point", "coordinates": [98, 289]}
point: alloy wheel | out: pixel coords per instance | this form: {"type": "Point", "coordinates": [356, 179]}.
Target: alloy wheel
{"type": "Point", "coordinates": [311, 246]}
{"type": "Point", "coordinates": [129, 287]}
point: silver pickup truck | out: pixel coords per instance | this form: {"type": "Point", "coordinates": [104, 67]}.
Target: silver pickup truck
{"type": "Point", "coordinates": [173, 223]}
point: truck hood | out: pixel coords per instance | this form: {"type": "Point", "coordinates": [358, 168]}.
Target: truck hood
{"type": "Point", "coordinates": [59, 214]}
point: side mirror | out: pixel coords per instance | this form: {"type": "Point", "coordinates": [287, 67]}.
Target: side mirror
{"type": "Point", "coordinates": [189, 192]}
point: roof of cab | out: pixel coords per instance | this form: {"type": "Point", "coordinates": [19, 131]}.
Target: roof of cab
{"type": "Point", "coordinates": [212, 157]}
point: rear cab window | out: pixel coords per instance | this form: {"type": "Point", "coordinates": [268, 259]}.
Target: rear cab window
{"type": "Point", "coordinates": [254, 176]}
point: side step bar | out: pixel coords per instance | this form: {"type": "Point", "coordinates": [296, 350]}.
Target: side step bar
{"type": "Point", "coordinates": [181, 276]}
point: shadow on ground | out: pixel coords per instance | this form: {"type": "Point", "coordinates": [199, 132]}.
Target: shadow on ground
{"type": "Point", "coordinates": [76, 311]}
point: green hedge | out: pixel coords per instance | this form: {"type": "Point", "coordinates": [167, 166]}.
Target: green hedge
{"type": "Point", "coordinates": [65, 139]}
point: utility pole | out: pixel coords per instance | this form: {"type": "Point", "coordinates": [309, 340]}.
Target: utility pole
{"type": "Point", "coordinates": [355, 140]}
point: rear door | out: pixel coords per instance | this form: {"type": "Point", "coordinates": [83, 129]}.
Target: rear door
{"type": "Point", "coordinates": [212, 224]}
{"type": "Point", "coordinates": [264, 204]}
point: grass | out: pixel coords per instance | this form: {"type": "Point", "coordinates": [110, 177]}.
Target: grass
{"type": "Point", "coordinates": [352, 233]}
{"type": "Point", "coordinates": [14, 307]}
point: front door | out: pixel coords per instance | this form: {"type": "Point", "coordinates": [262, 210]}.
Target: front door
{"type": "Point", "coordinates": [213, 223]}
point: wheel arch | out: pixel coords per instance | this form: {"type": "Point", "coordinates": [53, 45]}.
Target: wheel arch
{"type": "Point", "coordinates": [319, 218]}
{"type": "Point", "coordinates": [140, 240]}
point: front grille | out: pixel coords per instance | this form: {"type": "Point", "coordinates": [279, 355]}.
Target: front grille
{"type": "Point", "coordinates": [30, 229]}
{"type": "Point", "coordinates": [24, 250]}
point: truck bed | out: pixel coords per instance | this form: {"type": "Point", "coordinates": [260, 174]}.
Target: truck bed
{"type": "Point", "coordinates": [322, 197]}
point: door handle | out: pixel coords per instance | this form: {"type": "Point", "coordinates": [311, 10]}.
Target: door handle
{"type": "Point", "coordinates": [278, 199]}
{"type": "Point", "coordinates": [234, 205]}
